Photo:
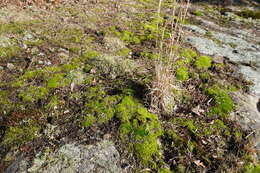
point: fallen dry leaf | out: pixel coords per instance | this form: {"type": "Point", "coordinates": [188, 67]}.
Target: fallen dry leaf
{"type": "Point", "coordinates": [199, 163]}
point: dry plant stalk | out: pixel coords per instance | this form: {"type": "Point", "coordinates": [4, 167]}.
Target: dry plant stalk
{"type": "Point", "coordinates": [161, 91]}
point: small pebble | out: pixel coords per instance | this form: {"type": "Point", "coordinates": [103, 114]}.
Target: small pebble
{"type": "Point", "coordinates": [10, 66]}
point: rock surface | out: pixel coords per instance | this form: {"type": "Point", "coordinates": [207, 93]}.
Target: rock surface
{"type": "Point", "coordinates": [244, 52]}
{"type": "Point", "coordinates": [241, 47]}
{"type": "Point", "coordinates": [72, 158]}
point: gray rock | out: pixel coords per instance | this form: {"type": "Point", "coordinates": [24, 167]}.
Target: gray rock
{"type": "Point", "coordinates": [236, 49]}
{"type": "Point", "coordinates": [10, 66]}
{"type": "Point", "coordinates": [73, 158]}
{"type": "Point", "coordinates": [5, 41]}
{"type": "Point", "coordinates": [248, 116]}
{"type": "Point", "coordinates": [195, 29]}
{"type": "Point", "coordinates": [252, 75]}
{"type": "Point", "coordinates": [28, 36]}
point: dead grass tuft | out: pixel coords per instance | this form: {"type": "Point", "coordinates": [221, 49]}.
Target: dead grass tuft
{"type": "Point", "coordinates": [161, 94]}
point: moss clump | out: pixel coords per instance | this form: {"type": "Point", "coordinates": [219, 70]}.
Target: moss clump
{"type": "Point", "coordinates": [189, 54]}
{"type": "Point", "coordinates": [33, 93]}
{"type": "Point", "coordinates": [55, 80]}
{"type": "Point", "coordinates": [54, 101]}
{"type": "Point", "coordinates": [182, 73]}
{"type": "Point", "coordinates": [203, 62]}
{"type": "Point", "coordinates": [198, 13]}
{"type": "Point", "coordinates": [90, 54]}
{"type": "Point", "coordinates": [223, 103]}
{"type": "Point", "coordinates": [149, 55]}
{"type": "Point", "coordinates": [141, 128]}
{"type": "Point", "coordinates": [150, 29]}
{"type": "Point", "coordinates": [165, 170]}
{"type": "Point", "coordinates": [99, 108]}
{"type": "Point", "coordinates": [125, 35]}
{"type": "Point", "coordinates": [88, 120]}
{"type": "Point", "coordinates": [124, 52]}
{"type": "Point", "coordinates": [250, 168]}
{"type": "Point", "coordinates": [8, 52]}
{"type": "Point", "coordinates": [254, 14]}
{"type": "Point", "coordinates": [209, 34]}
{"type": "Point", "coordinates": [17, 135]}
{"type": "Point", "coordinates": [14, 28]}
{"type": "Point", "coordinates": [74, 35]}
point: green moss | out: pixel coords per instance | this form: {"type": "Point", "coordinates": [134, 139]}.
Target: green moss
{"type": "Point", "coordinates": [181, 168]}
{"type": "Point", "coordinates": [188, 53]}
{"type": "Point", "coordinates": [17, 135]}
{"type": "Point", "coordinates": [220, 128]}
{"type": "Point", "coordinates": [99, 107]}
{"type": "Point", "coordinates": [33, 93]}
{"type": "Point", "coordinates": [182, 73]}
{"type": "Point", "coordinates": [15, 28]}
{"type": "Point", "coordinates": [89, 121]}
{"type": "Point", "coordinates": [209, 34]}
{"type": "Point", "coordinates": [165, 170]}
{"type": "Point", "coordinates": [203, 62]}
{"type": "Point", "coordinates": [8, 52]}
{"type": "Point", "coordinates": [124, 52]}
{"type": "Point", "coordinates": [251, 168]}
{"type": "Point", "coordinates": [143, 127]}
{"type": "Point", "coordinates": [254, 14]}
{"type": "Point", "coordinates": [90, 54]}
{"type": "Point", "coordinates": [238, 135]}
{"type": "Point", "coordinates": [126, 36]}
{"type": "Point", "coordinates": [54, 102]}
{"type": "Point", "coordinates": [37, 42]}
{"type": "Point", "coordinates": [71, 66]}
{"type": "Point", "coordinates": [190, 126]}
{"type": "Point", "coordinates": [204, 76]}
{"type": "Point", "coordinates": [55, 81]}
{"type": "Point", "coordinates": [74, 35]}
{"type": "Point", "coordinates": [75, 50]}
{"type": "Point", "coordinates": [5, 102]}
{"type": "Point", "coordinates": [149, 55]}
{"type": "Point", "coordinates": [223, 103]}
{"type": "Point", "coordinates": [198, 13]}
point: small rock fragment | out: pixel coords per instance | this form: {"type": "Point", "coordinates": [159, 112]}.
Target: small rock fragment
{"type": "Point", "coordinates": [10, 66]}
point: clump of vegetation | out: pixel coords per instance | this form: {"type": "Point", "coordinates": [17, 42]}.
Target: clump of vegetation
{"type": "Point", "coordinates": [223, 102]}
{"type": "Point", "coordinates": [74, 35]}
{"type": "Point", "coordinates": [141, 129]}
{"type": "Point", "coordinates": [189, 54]}
{"type": "Point", "coordinates": [55, 81]}
{"type": "Point", "coordinates": [14, 28]}
{"type": "Point", "coordinates": [10, 51]}
{"type": "Point", "coordinates": [149, 55]}
{"type": "Point", "coordinates": [209, 34]}
{"type": "Point", "coordinates": [198, 13]}
{"type": "Point", "coordinates": [33, 94]}
{"type": "Point", "coordinates": [99, 107]}
{"type": "Point", "coordinates": [254, 14]}
{"type": "Point", "coordinates": [203, 62]}
{"type": "Point", "coordinates": [124, 52]}
{"type": "Point", "coordinates": [125, 35]}
{"type": "Point", "coordinates": [251, 168]}
{"type": "Point", "coordinates": [17, 135]}
{"type": "Point", "coordinates": [182, 73]}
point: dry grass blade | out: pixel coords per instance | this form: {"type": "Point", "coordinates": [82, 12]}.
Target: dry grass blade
{"type": "Point", "coordinates": [161, 91]}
